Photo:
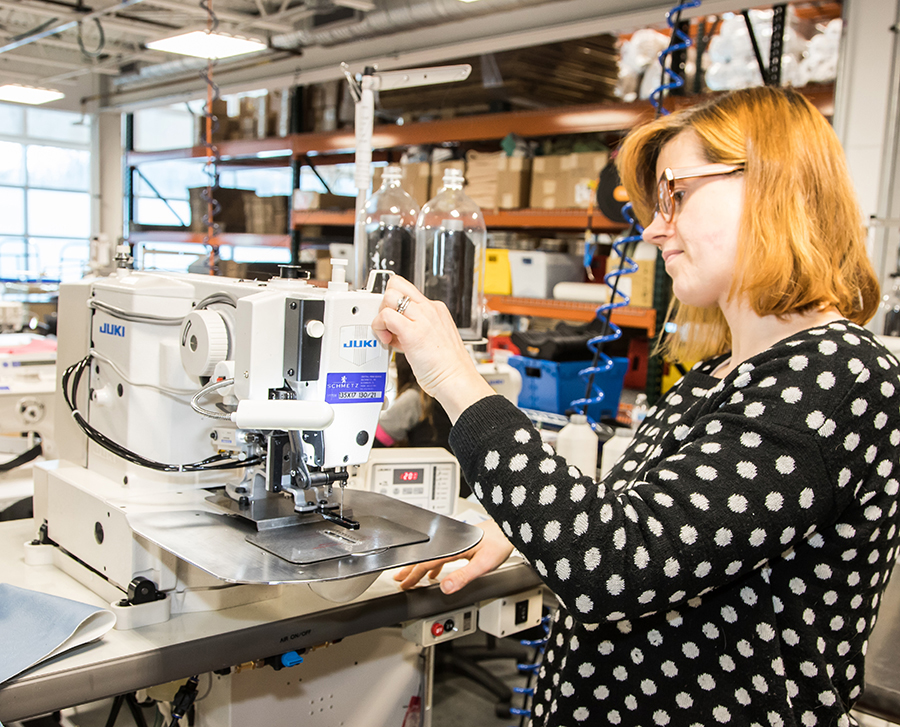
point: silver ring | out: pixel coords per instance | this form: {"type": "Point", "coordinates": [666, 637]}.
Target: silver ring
{"type": "Point", "coordinates": [402, 304]}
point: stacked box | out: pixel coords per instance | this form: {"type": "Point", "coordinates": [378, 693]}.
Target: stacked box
{"type": "Point", "coordinates": [558, 182]}
{"type": "Point", "coordinates": [304, 200]}
{"type": "Point", "coordinates": [638, 286]}
{"type": "Point", "coordinates": [513, 182]}
{"type": "Point", "coordinates": [231, 217]}
{"type": "Point", "coordinates": [415, 182]}
{"type": "Point", "coordinates": [267, 215]}
{"type": "Point", "coordinates": [437, 173]}
{"type": "Point", "coordinates": [482, 176]}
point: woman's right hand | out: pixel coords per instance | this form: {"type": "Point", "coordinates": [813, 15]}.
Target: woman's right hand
{"type": "Point", "coordinates": [491, 552]}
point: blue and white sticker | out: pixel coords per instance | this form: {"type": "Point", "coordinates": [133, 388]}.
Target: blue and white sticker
{"type": "Point", "coordinates": [354, 388]}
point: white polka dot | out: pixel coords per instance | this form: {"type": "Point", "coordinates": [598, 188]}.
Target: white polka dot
{"type": "Point", "coordinates": [518, 495]}
{"type": "Point", "coordinates": [518, 463]}
{"type": "Point", "coordinates": [552, 531]}
{"type": "Point", "coordinates": [492, 460]}
{"type": "Point", "coordinates": [791, 395]}
{"type": "Point", "coordinates": [826, 380]}
{"type": "Point", "coordinates": [522, 436]}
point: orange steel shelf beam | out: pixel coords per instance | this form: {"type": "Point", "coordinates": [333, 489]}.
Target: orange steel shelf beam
{"type": "Point", "coordinates": [630, 317]}
{"type": "Point", "coordinates": [543, 122]}
{"type": "Point", "coordinates": [228, 238]}
{"type": "Point", "coordinates": [564, 219]}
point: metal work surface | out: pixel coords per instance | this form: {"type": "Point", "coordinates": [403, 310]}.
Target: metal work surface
{"type": "Point", "coordinates": [217, 543]}
{"type": "Point", "coordinates": [882, 695]}
{"type": "Point", "coordinates": [194, 643]}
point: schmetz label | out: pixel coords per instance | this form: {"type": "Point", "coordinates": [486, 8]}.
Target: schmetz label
{"type": "Point", "coordinates": [112, 330]}
{"type": "Point", "coordinates": [354, 388]}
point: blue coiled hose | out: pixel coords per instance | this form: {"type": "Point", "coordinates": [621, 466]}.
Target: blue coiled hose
{"type": "Point", "coordinates": [678, 42]}
{"type": "Point", "coordinates": [610, 332]}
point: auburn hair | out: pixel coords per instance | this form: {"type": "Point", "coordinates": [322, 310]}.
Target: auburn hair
{"type": "Point", "coordinates": [801, 241]}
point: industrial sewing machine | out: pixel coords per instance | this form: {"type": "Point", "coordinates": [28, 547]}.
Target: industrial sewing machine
{"type": "Point", "coordinates": [206, 429]}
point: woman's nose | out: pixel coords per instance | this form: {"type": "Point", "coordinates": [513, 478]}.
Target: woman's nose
{"type": "Point", "coordinates": [657, 231]}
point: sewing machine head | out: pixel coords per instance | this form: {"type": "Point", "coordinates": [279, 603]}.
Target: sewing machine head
{"type": "Point", "coordinates": [277, 385]}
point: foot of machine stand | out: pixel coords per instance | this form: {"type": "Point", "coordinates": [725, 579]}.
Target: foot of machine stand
{"type": "Point", "coordinates": [132, 616]}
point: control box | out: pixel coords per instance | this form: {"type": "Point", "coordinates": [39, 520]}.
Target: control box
{"type": "Point", "coordinates": [510, 614]}
{"type": "Point", "coordinates": [427, 477]}
{"type": "Point", "coordinates": [443, 627]}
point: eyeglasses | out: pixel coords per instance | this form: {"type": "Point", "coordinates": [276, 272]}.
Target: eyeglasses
{"type": "Point", "coordinates": [665, 189]}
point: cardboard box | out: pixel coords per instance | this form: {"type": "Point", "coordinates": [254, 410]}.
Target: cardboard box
{"type": "Point", "coordinates": [415, 182]}
{"type": "Point", "coordinates": [559, 182]}
{"type": "Point", "coordinates": [546, 182]}
{"type": "Point", "coordinates": [638, 286]}
{"type": "Point", "coordinates": [231, 216]}
{"type": "Point", "coordinates": [437, 173]}
{"type": "Point", "coordinates": [513, 182]}
{"type": "Point", "coordinates": [304, 200]}
{"type": "Point", "coordinates": [267, 215]}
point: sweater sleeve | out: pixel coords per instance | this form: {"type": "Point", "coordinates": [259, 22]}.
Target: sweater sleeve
{"type": "Point", "coordinates": [688, 508]}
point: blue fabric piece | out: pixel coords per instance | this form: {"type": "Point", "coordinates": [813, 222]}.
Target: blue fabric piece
{"type": "Point", "coordinates": [34, 626]}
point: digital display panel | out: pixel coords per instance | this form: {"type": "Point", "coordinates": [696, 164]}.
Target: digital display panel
{"type": "Point", "coordinates": [408, 476]}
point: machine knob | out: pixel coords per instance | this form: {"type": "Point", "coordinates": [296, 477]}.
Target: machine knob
{"type": "Point", "coordinates": [204, 342]}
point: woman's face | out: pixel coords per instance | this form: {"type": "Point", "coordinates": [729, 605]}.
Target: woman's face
{"type": "Point", "coordinates": [699, 245]}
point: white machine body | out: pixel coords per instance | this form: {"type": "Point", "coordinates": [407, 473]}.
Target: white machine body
{"type": "Point", "coordinates": [427, 477]}
{"type": "Point", "coordinates": [303, 358]}
{"type": "Point", "coordinates": [27, 389]}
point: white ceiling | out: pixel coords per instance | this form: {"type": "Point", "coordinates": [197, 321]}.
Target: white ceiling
{"type": "Point", "coordinates": [93, 50]}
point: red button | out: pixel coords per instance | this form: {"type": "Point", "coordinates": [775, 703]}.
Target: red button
{"type": "Point", "coordinates": [437, 629]}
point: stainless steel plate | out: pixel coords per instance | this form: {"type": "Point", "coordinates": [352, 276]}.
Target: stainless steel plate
{"type": "Point", "coordinates": [310, 543]}
{"type": "Point", "coordinates": [216, 543]}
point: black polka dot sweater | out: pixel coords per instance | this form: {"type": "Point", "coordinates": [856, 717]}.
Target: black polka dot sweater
{"type": "Point", "coordinates": [729, 568]}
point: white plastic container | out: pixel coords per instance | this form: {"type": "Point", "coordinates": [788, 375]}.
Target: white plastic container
{"type": "Point", "coordinates": [535, 272]}
{"type": "Point", "coordinates": [613, 448]}
{"type": "Point", "coordinates": [577, 444]}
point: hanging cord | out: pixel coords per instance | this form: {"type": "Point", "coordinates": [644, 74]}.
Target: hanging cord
{"type": "Point", "coordinates": [184, 700]}
{"type": "Point", "coordinates": [530, 669]}
{"type": "Point", "coordinates": [678, 41]}
{"type": "Point", "coordinates": [210, 167]}
{"type": "Point", "coordinates": [101, 44]}
{"type": "Point", "coordinates": [624, 247]}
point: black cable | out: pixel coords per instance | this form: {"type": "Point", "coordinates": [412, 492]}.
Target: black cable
{"type": "Point", "coordinates": [23, 458]}
{"type": "Point", "coordinates": [71, 396]}
{"type": "Point", "coordinates": [184, 700]}
{"type": "Point", "coordinates": [101, 44]}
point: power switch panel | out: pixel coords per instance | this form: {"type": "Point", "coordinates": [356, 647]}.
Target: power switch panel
{"type": "Point", "coordinates": [440, 628]}
{"type": "Point", "coordinates": [511, 614]}
{"type": "Point", "coordinates": [521, 612]}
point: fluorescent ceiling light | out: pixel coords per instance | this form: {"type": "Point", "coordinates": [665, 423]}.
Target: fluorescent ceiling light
{"type": "Point", "coordinates": [28, 94]}
{"type": "Point", "coordinates": [200, 44]}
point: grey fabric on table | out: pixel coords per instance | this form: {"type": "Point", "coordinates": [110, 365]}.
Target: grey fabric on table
{"type": "Point", "coordinates": [35, 626]}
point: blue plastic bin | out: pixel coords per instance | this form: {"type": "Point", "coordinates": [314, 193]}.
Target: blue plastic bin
{"type": "Point", "coordinates": [551, 386]}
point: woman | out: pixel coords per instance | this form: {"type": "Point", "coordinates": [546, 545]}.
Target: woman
{"type": "Point", "coordinates": [729, 568]}
{"type": "Point", "coordinates": [414, 419]}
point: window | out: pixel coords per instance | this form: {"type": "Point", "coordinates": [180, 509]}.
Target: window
{"type": "Point", "coordinates": [45, 199]}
